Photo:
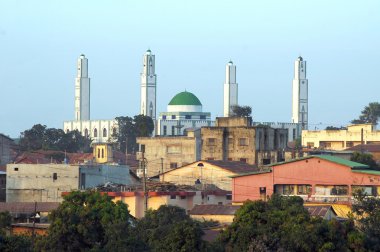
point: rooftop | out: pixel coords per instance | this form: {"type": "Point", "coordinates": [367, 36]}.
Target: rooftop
{"type": "Point", "coordinates": [214, 210]}
{"type": "Point", "coordinates": [185, 98]}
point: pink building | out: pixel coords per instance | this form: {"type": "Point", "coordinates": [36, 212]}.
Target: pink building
{"type": "Point", "coordinates": [314, 178]}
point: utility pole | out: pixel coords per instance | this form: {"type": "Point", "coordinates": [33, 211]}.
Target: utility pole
{"type": "Point", "coordinates": [143, 165]}
{"type": "Point", "coordinates": [34, 223]}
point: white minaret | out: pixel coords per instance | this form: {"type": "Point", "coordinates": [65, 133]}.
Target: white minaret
{"type": "Point", "coordinates": [148, 86]}
{"type": "Point", "coordinates": [82, 90]}
{"type": "Point", "coordinates": [300, 94]}
{"type": "Point", "coordinates": [230, 90]}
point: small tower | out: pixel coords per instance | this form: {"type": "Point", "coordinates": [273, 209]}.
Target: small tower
{"type": "Point", "coordinates": [82, 90]}
{"type": "Point", "coordinates": [148, 86]}
{"type": "Point", "coordinates": [300, 94]}
{"type": "Point", "coordinates": [230, 90]}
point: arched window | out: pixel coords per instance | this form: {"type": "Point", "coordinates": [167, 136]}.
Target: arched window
{"type": "Point", "coordinates": [98, 152]}
{"type": "Point", "coordinates": [104, 132]}
{"type": "Point", "coordinates": [102, 152]}
{"type": "Point", "coordinates": [95, 132]}
{"type": "Point", "coordinates": [114, 131]}
{"type": "Point", "coordinates": [86, 132]}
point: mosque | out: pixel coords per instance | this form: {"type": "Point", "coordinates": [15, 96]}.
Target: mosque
{"type": "Point", "coordinates": [185, 110]}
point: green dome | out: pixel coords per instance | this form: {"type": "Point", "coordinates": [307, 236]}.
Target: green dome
{"type": "Point", "coordinates": [185, 98]}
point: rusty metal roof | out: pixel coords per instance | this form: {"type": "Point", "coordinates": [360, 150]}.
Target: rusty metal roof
{"type": "Point", "coordinates": [27, 207]}
{"type": "Point", "coordinates": [214, 210]}
{"type": "Point", "coordinates": [319, 211]}
{"type": "Point", "coordinates": [233, 166]}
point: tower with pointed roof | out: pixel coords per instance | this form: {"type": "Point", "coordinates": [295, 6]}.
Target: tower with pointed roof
{"type": "Point", "coordinates": [230, 89]}
{"type": "Point", "coordinates": [300, 94]}
{"type": "Point", "coordinates": [82, 90]}
{"type": "Point", "coordinates": [148, 86]}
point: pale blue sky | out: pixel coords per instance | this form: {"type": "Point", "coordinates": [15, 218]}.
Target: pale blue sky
{"type": "Point", "coordinates": [192, 40]}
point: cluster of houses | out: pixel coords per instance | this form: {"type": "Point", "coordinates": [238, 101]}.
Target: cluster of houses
{"type": "Point", "coordinates": [209, 172]}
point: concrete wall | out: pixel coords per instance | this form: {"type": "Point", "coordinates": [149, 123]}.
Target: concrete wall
{"type": "Point", "coordinates": [46, 182]}
{"type": "Point", "coordinates": [207, 175]}
{"type": "Point", "coordinates": [162, 153]}
{"type": "Point", "coordinates": [340, 139]}
{"type": "Point", "coordinates": [313, 171]}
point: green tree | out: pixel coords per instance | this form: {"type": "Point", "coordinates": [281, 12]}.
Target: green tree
{"type": "Point", "coordinates": [129, 129]}
{"type": "Point", "coordinates": [366, 212]}
{"type": "Point", "coordinates": [242, 111]}
{"type": "Point", "coordinates": [169, 228]}
{"type": "Point", "coordinates": [364, 158]}
{"type": "Point", "coordinates": [370, 114]}
{"type": "Point", "coordinates": [32, 139]}
{"type": "Point", "coordinates": [88, 221]}
{"type": "Point", "coordinates": [282, 224]}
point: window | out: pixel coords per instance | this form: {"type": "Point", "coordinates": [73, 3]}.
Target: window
{"type": "Point", "coordinates": [266, 161]}
{"type": "Point", "coordinates": [165, 130]}
{"type": "Point", "coordinates": [173, 116]}
{"type": "Point", "coordinates": [173, 165]}
{"type": "Point", "coordinates": [114, 131]}
{"type": "Point", "coordinates": [243, 141]}
{"type": "Point", "coordinates": [102, 152]}
{"type": "Point", "coordinates": [55, 176]}
{"type": "Point", "coordinates": [183, 197]}
{"type": "Point", "coordinates": [303, 189]}
{"type": "Point", "coordinates": [86, 132]}
{"type": "Point", "coordinates": [163, 117]}
{"type": "Point", "coordinates": [229, 197]}
{"type": "Point", "coordinates": [15, 169]}
{"type": "Point", "coordinates": [210, 158]}
{"type": "Point", "coordinates": [310, 144]}
{"type": "Point", "coordinates": [229, 159]}
{"type": "Point", "coordinates": [349, 144]}
{"type": "Point", "coordinates": [95, 132]}
{"type": "Point", "coordinates": [173, 197]}
{"type": "Point", "coordinates": [211, 141]}
{"type": "Point", "coordinates": [202, 117]}
{"type": "Point", "coordinates": [294, 134]}
{"type": "Point", "coordinates": [173, 130]}
{"type": "Point", "coordinates": [104, 132]}
{"type": "Point", "coordinates": [220, 203]}
{"type": "Point", "coordinates": [142, 148]}
{"type": "Point", "coordinates": [187, 116]}
{"type": "Point", "coordinates": [98, 152]}
{"type": "Point", "coordinates": [243, 160]}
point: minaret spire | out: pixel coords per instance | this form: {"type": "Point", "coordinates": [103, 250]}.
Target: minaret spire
{"type": "Point", "coordinates": [82, 90]}
{"type": "Point", "coordinates": [230, 89]}
{"type": "Point", "coordinates": [148, 86]}
{"type": "Point", "coordinates": [300, 94]}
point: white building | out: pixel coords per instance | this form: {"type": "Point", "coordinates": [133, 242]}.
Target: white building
{"type": "Point", "coordinates": [230, 90]}
{"type": "Point", "coordinates": [184, 111]}
{"type": "Point", "coordinates": [97, 130]}
{"type": "Point", "coordinates": [82, 90]}
{"type": "Point", "coordinates": [148, 86]}
{"type": "Point", "coordinates": [300, 94]}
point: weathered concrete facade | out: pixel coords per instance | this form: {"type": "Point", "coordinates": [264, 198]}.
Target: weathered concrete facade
{"type": "Point", "coordinates": [234, 139]}
{"type": "Point", "coordinates": [46, 182]}
{"type": "Point", "coordinates": [6, 144]}
{"type": "Point", "coordinates": [166, 153]}
{"type": "Point", "coordinates": [341, 139]}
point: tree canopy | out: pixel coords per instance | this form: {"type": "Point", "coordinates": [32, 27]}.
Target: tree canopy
{"type": "Point", "coordinates": [169, 228]}
{"type": "Point", "coordinates": [364, 158]}
{"type": "Point", "coordinates": [89, 221]}
{"type": "Point", "coordinates": [283, 224]}
{"type": "Point", "coordinates": [241, 111]}
{"type": "Point", "coordinates": [129, 129]}
{"type": "Point", "coordinates": [370, 114]}
{"type": "Point", "coordinates": [40, 137]}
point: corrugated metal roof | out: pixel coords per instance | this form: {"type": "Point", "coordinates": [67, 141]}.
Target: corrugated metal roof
{"type": "Point", "coordinates": [319, 211]}
{"type": "Point", "coordinates": [365, 147]}
{"type": "Point", "coordinates": [27, 207]}
{"type": "Point", "coordinates": [214, 210]}
{"type": "Point", "coordinates": [233, 166]}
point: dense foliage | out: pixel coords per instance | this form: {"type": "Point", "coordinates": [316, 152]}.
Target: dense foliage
{"type": "Point", "coordinates": [370, 114]}
{"type": "Point", "coordinates": [39, 137]}
{"type": "Point", "coordinates": [283, 224]}
{"type": "Point", "coordinates": [169, 228]}
{"type": "Point", "coordinates": [129, 129]}
{"type": "Point", "coordinates": [364, 158]}
{"type": "Point", "coordinates": [241, 111]}
{"type": "Point", "coordinates": [89, 221]}
{"type": "Point", "coordinates": [11, 242]}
